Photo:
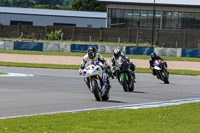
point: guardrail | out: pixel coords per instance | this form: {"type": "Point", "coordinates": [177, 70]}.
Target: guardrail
{"type": "Point", "coordinates": [68, 47]}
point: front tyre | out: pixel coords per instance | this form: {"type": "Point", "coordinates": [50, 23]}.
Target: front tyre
{"type": "Point", "coordinates": [124, 83]}
{"type": "Point", "coordinates": [131, 89]}
{"type": "Point", "coordinates": [95, 90]}
{"type": "Point", "coordinates": [106, 96]}
{"type": "Point", "coordinates": [165, 78]}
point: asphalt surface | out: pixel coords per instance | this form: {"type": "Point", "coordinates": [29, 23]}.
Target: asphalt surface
{"type": "Point", "coordinates": [52, 90]}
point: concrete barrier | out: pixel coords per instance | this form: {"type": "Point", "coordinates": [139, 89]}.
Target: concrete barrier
{"type": "Point", "coordinates": [168, 51]}
{"type": "Point", "coordinates": [108, 49]}
{"type": "Point", "coordinates": [65, 47]}
{"type": "Point", "coordinates": [1, 44]}
{"type": "Point", "coordinates": [9, 45]}
{"type": "Point", "coordinates": [190, 53]}
{"type": "Point", "coordinates": [139, 50]}
{"type": "Point", "coordinates": [32, 46]}
{"type": "Point", "coordinates": [48, 46]}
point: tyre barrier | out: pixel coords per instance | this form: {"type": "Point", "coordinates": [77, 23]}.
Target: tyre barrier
{"type": "Point", "coordinates": [68, 47]}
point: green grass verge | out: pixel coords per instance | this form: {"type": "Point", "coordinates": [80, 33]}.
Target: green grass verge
{"type": "Point", "coordinates": [168, 58]}
{"type": "Point", "coordinates": [170, 119]}
{"type": "Point", "coordinates": [2, 73]}
{"type": "Point", "coordinates": [76, 67]}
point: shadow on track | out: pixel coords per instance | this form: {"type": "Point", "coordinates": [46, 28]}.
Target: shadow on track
{"type": "Point", "coordinates": [113, 101]}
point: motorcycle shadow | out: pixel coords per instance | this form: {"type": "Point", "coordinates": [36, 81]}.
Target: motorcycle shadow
{"type": "Point", "coordinates": [113, 101]}
{"type": "Point", "coordinates": [138, 92]}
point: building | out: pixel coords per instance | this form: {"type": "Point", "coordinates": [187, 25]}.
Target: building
{"type": "Point", "coordinates": [162, 14]}
{"type": "Point", "coordinates": [43, 17]}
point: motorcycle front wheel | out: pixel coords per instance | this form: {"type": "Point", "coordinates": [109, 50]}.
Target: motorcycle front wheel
{"type": "Point", "coordinates": [165, 77]}
{"type": "Point", "coordinates": [131, 89]}
{"type": "Point", "coordinates": [95, 90]}
{"type": "Point", "coordinates": [106, 96]}
{"type": "Point", "coordinates": [124, 83]}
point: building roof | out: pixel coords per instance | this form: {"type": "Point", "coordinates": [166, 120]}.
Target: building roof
{"type": "Point", "coordinates": [51, 12]}
{"type": "Point", "coordinates": [190, 3]}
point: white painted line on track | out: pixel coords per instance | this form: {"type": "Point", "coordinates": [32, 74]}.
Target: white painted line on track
{"type": "Point", "coordinates": [132, 106]}
{"type": "Point", "coordinates": [16, 75]}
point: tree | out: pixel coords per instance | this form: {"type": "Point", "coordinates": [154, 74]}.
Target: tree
{"type": "Point", "coordinates": [88, 5]}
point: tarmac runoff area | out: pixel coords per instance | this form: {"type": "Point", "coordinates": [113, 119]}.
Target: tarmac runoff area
{"type": "Point", "coordinates": [76, 60]}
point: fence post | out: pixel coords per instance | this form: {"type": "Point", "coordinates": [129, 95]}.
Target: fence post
{"type": "Point", "coordinates": [33, 36]}
{"type": "Point", "coordinates": [73, 33]}
{"type": "Point", "coordinates": [129, 35]}
{"type": "Point", "coordinates": [19, 30]}
{"type": "Point", "coordinates": [118, 40]}
{"type": "Point", "coordinates": [101, 35]}
{"type": "Point", "coordinates": [45, 32]}
{"type": "Point", "coordinates": [138, 33]}
{"type": "Point", "coordinates": [90, 39]}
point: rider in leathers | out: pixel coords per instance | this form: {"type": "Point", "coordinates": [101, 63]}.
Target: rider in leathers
{"type": "Point", "coordinates": [154, 57]}
{"type": "Point", "coordinates": [117, 54]}
{"type": "Point", "coordinates": [91, 56]}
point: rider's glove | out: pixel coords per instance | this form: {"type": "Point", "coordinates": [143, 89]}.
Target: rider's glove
{"type": "Point", "coordinates": [80, 71]}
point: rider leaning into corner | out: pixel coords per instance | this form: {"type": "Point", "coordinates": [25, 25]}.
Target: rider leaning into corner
{"type": "Point", "coordinates": [91, 56]}
{"type": "Point", "coordinates": [154, 57]}
{"type": "Point", "coordinates": [117, 53]}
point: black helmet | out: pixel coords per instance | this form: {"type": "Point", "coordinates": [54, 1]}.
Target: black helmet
{"type": "Point", "coordinates": [117, 53]}
{"type": "Point", "coordinates": [92, 52]}
{"type": "Point", "coordinates": [153, 55]}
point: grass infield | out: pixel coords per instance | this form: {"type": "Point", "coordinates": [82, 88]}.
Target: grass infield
{"type": "Point", "coordinates": [171, 119]}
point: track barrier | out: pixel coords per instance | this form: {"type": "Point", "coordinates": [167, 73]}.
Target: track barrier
{"type": "Point", "coordinates": [68, 47]}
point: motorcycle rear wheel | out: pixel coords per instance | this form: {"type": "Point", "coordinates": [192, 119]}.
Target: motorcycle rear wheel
{"type": "Point", "coordinates": [95, 90]}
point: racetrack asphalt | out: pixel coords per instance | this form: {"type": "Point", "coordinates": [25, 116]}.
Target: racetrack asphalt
{"type": "Point", "coordinates": [52, 90]}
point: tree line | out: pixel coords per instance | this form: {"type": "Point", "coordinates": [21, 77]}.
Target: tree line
{"type": "Point", "coordinates": [79, 5]}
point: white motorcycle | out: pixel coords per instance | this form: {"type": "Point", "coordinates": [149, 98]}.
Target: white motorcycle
{"type": "Point", "coordinates": [161, 71]}
{"type": "Point", "coordinates": [92, 77]}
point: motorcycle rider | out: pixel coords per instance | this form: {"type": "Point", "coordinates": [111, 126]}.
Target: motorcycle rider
{"type": "Point", "coordinates": [92, 56]}
{"type": "Point", "coordinates": [154, 57]}
{"type": "Point", "coordinates": [117, 53]}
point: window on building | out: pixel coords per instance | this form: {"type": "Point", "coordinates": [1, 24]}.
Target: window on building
{"type": "Point", "coordinates": [136, 17]}
{"type": "Point", "coordinates": [21, 23]}
{"type": "Point", "coordinates": [167, 20]}
{"type": "Point", "coordinates": [174, 20]}
{"type": "Point", "coordinates": [157, 19]}
{"type": "Point", "coordinates": [64, 24]}
{"type": "Point", "coordinates": [190, 20]}
{"type": "Point", "coordinates": [144, 19]}
{"type": "Point", "coordinates": [109, 18]}
{"type": "Point", "coordinates": [114, 19]}
{"type": "Point", "coordinates": [128, 18]}
{"type": "Point", "coordinates": [182, 20]}
{"type": "Point", "coordinates": [89, 26]}
{"type": "Point", "coordinates": [150, 19]}
{"type": "Point", "coordinates": [197, 20]}
{"type": "Point", "coordinates": [120, 17]}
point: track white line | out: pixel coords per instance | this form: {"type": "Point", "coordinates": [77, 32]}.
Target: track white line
{"type": "Point", "coordinates": [131, 106]}
{"type": "Point", "coordinates": [16, 75]}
